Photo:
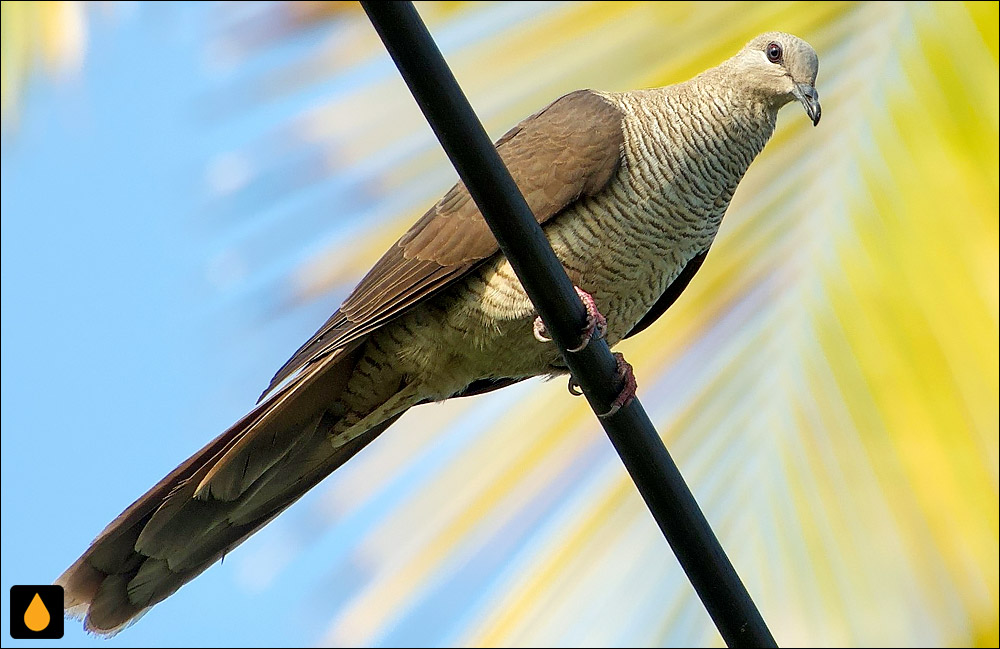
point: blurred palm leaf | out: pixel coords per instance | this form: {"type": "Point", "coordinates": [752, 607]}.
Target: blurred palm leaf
{"type": "Point", "coordinates": [828, 384]}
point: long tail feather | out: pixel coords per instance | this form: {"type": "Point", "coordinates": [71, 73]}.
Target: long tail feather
{"type": "Point", "coordinates": [214, 500]}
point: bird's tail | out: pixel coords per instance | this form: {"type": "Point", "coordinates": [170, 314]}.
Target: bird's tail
{"type": "Point", "coordinates": [215, 500]}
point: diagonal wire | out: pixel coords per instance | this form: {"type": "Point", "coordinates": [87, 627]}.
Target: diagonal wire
{"type": "Point", "coordinates": [522, 241]}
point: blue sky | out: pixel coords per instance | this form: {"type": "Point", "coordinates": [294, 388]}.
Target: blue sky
{"type": "Point", "coordinates": [115, 345]}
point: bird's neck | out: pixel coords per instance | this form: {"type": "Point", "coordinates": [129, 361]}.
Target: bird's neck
{"type": "Point", "coordinates": [737, 106]}
{"type": "Point", "coordinates": [710, 116]}
{"type": "Point", "coordinates": [699, 136]}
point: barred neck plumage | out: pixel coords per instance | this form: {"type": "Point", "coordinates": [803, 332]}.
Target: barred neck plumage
{"type": "Point", "coordinates": [687, 147]}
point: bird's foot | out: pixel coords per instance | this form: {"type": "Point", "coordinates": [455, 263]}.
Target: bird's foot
{"type": "Point", "coordinates": [597, 324]}
{"type": "Point", "coordinates": [627, 378]}
{"type": "Point", "coordinates": [629, 386]}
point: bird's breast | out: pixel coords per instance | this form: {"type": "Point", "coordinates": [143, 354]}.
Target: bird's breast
{"type": "Point", "coordinates": [617, 246]}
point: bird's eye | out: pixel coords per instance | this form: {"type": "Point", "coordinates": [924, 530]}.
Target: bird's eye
{"type": "Point", "coordinates": [773, 51]}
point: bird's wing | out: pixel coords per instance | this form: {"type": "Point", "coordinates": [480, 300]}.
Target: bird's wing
{"type": "Point", "coordinates": [570, 148]}
{"type": "Point", "coordinates": [670, 295]}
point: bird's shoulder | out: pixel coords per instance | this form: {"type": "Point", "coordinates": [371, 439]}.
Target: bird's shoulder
{"type": "Point", "coordinates": [570, 148]}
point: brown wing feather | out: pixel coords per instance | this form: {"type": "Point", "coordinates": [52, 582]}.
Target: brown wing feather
{"type": "Point", "coordinates": [570, 148]}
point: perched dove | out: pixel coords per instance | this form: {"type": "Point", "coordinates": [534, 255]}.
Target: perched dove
{"type": "Point", "coordinates": [630, 188]}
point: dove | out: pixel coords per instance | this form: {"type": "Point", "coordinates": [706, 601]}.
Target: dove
{"type": "Point", "coordinates": [630, 189]}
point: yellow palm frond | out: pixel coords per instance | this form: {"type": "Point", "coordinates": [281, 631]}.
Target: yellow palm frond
{"type": "Point", "coordinates": [53, 32]}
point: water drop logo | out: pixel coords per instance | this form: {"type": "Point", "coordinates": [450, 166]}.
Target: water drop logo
{"type": "Point", "coordinates": [36, 612]}
{"type": "Point", "coordinates": [37, 616]}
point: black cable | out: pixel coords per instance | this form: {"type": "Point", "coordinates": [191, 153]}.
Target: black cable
{"type": "Point", "coordinates": [521, 239]}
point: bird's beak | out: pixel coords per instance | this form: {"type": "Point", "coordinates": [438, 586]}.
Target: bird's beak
{"type": "Point", "coordinates": [810, 99]}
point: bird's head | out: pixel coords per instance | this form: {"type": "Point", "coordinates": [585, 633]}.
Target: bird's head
{"type": "Point", "coordinates": [782, 67]}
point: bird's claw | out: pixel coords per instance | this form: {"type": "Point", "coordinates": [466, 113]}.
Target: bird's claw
{"type": "Point", "coordinates": [541, 333]}
{"type": "Point", "coordinates": [629, 386]}
{"type": "Point", "coordinates": [627, 378]}
{"type": "Point", "coordinates": [597, 324]}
